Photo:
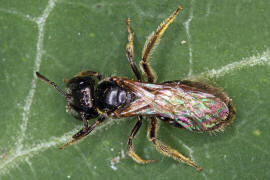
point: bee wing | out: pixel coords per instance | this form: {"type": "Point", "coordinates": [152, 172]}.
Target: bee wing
{"type": "Point", "coordinates": [142, 105]}
{"type": "Point", "coordinates": [191, 107]}
{"type": "Point", "coordinates": [152, 99]}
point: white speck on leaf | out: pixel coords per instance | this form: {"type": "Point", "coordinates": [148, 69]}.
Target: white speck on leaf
{"type": "Point", "coordinates": [115, 161]}
{"type": "Point", "coordinates": [183, 42]}
{"type": "Point", "coordinates": [122, 154]}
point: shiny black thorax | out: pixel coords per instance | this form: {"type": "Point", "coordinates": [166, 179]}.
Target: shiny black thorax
{"type": "Point", "coordinates": [109, 96]}
{"type": "Point", "coordinates": [85, 100]}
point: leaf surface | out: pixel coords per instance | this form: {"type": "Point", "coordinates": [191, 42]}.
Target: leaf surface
{"type": "Point", "coordinates": [226, 42]}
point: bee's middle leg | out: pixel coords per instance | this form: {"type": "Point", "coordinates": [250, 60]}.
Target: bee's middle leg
{"type": "Point", "coordinates": [131, 151]}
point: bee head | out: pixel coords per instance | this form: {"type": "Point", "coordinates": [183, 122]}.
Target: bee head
{"type": "Point", "coordinates": [80, 97]}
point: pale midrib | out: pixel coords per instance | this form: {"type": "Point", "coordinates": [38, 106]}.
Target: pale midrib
{"type": "Point", "coordinates": [39, 48]}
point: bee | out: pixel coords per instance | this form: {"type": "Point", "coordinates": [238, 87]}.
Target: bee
{"type": "Point", "coordinates": [192, 105]}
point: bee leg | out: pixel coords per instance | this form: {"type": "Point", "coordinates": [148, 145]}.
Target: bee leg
{"type": "Point", "coordinates": [86, 73]}
{"type": "Point", "coordinates": [89, 73]}
{"type": "Point", "coordinates": [130, 51]}
{"type": "Point", "coordinates": [166, 150]}
{"type": "Point", "coordinates": [151, 42]}
{"type": "Point", "coordinates": [131, 152]}
{"type": "Point", "coordinates": [130, 56]}
{"type": "Point", "coordinates": [66, 81]}
{"type": "Point", "coordinates": [84, 132]}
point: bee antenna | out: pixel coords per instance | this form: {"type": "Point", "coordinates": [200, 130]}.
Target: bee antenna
{"type": "Point", "coordinates": [43, 78]}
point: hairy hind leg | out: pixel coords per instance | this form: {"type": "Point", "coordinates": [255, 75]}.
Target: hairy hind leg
{"type": "Point", "coordinates": [150, 44]}
{"type": "Point", "coordinates": [167, 150]}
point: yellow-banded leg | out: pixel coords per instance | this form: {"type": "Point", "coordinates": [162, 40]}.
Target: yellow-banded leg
{"type": "Point", "coordinates": [151, 42]}
{"type": "Point", "coordinates": [167, 150]}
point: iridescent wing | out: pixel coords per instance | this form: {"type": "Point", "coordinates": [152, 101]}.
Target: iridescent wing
{"type": "Point", "coordinates": [194, 106]}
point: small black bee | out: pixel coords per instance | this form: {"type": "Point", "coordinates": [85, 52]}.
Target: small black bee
{"type": "Point", "coordinates": [192, 105]}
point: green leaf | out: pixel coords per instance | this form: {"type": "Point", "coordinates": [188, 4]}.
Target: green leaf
{"type": "Point", "coordinates": [225, 41]}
